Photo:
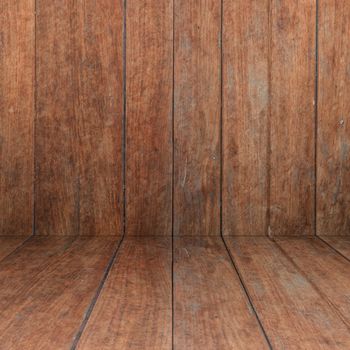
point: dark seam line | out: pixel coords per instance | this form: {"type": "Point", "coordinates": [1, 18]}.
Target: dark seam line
{"type": "Point", "coordinates": [17, 248]}
{"type": "Point", "coordinates": [334, 249]}
{"type": "Point", "coordinates": [34, 119]}
{"type": "Point", "coordinates": [91, 307]}
{"type": "Point", "coordinates": [245, 289]}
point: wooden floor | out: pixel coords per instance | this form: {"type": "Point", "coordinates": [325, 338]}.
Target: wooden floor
{"type": "Point", "coordinates": [182, 293]}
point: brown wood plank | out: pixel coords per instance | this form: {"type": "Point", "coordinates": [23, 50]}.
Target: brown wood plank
{"type": "Point", "coordinates": [197, 117]}
{"type": "Point", "coordinates": [79, 117]}
{"type": "Point", "coordinates": [44, 309]}
{"type": "Point", "coordinates": [134, 310]}
{"type": "Point", "coordinates": [292, 117]}
{"type": "Point", "coordinates": [293, 313]}
{"type": "Point", "coordinates": [245, 116]}
{"type": "Point", "coordinates": [333, 144]}
{"type": "Point", "coordinates": [211, 310]}
{"type": "Point", "coordinates": [149, 67]}
{"type": "Point", "coordinates": [341, 244]}
{"type": "Point", "coordinates": [9, 244]}
{"type": "Point", "coordinates": [326, 269]}
{"type": "Point", "coordinates": [17, 60]}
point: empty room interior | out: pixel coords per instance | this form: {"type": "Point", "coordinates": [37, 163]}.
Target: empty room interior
{"type": "Point", "coordinates": [174, 174]}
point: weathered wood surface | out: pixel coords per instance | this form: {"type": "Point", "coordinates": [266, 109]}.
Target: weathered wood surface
{"type": "Point", "coordinates": [211, 310]}
{"type": "Point", "coordinates": [17, 60]}
{"type": "Point", "coordinates": [79, 117]}
{"type": "Point", "coordinates": [197, 117]}
{"type": "Point", "coordinates": [294, 314]}
{"type": "Point", "coordinates": [245, 117]}
{"type": "Point", "coordinates": [134, 310]}
{"type": "Point", "coordinates": [341, 244]}
{"type": "Point", "coordinates": [333, 143]}
{"type": "Point", "coordinates": [9, 243]}
{"type": "Point", "coordinates": [149, 68]}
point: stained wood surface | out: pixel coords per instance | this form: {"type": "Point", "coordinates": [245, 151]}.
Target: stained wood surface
{"type": "Point", "coordinates": [16, 116]}
{"type": "Point", "coordinates": [46, 290]}
{"type": "Point", "coordinates": [211, 310]}
{"type": "Point", "coordinates": [292, 311]}
{"type": "Point", "coordinates": [9, 244]}
{"type": "Point", "coordinates": [333, 144]}
{"type": "Point", "coordinates": [79, 117]}
{"type": "Point", "coordinates": [341, 244]}
{"type": "Point", "coordinates": [149, 69]}
{"type": "Point", "coordinates": [245, 117]}
{"type": "Point", "coordinates": [134, 310]}
{"type": "Point", "coordinates": [327, 270]}
{"type": "Point", "coordinates": [197, 117]}
{"type": "Point", "coordinates": [292, 117]}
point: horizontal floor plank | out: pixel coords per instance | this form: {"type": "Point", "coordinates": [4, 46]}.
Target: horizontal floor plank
{"type": "Point", "coordinates": [341, 244]}
{"type": "Point", "coordinates": [8, 244]}
{"type": "Point", "coordinates": [293, 313]}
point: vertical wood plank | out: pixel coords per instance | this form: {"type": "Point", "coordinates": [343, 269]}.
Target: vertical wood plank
{"type": "Point", "coordinates": [197, 117]}
{"type": "Point", "coordinates": [292, 117]}
{"type": "Point", "coordinates": [16, 116]}
{"type": "Point", "coordinates": [79, 117]}
{"type": "Point", "coordinates": [245, 116]}
{"type": "Point", "coordinates": [333, 144]}
{"type": "Point", "coordinates": [149, 56]}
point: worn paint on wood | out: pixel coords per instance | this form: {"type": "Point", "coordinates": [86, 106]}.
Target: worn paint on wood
{"type": "Point", "coordinates": [292, 162]}
{"type": "Point", "coordinates": [245, 117]}
{"type": "Point", "coordinates": [333, 143]}
{"type": "Point", "coordinates": [149, 68]}
{"type": "Point", "coordinates": [134, 310]}
{"type": "Point", "coordinates": [16, 116]}
{"type": "Point", "coordinates": [79, 117]}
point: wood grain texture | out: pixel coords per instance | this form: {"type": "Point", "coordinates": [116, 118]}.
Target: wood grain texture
{"type": "Point", "coordinates": [333, 145]}
{"type": "Point", "coordinates": [197, 117]}
{"type": "Point", "coordinates": [211, 310]}
{"type": "Point", "coordinates": [42, 308]}
{"type": "Point", "coordinates": [79, 117]}
{"type": "Point", "coordinates": [327, 270]}
{"type": "Point", "coordinates": [16, 116]}
{"type": "Point", "coordinates": [9, 243]}
{"type": "Point", "coordinates": [292, 117]}
{"type": "Point", "coordinates": [341, 244]}
{"type": "Point", "coordinates": [134, 310]}
{"type": "Point", "coordinates": [149, 67]}
{"type": "Point", "coordinates": [245, 117]}
{"type": "Point", "coordinates": [293, 313]}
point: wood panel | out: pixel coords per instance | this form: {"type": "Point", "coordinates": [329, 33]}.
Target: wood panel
{"type": "Point", "coordinates": [149, 67]}
{"type": "Point", "coordinates": [44, 309]}
{"type": "Point", "coordinates": [293, 313]}
{"type": "Point", "coordinates": [327, 270]}
{"type": "Point", "coordinates": [341, 244]}
{"type": "Point", "coordinates": [79, 117]}
{"type": "Point", "coordinates": [16, 116]}
{"type": "Point", "coordinates": [197, 117]}
{"type": "Point", "coordinates": [333, 144]}
{"type": "Point", "coordinates": [245, 117]}
{"type": "Point", "coordinates": [9, 243]}
{"type": "Point", "coordinates": [134, 310]}
{"type": "Point", "coordinates": [292, 117]}
{"type": "Point", "coordinates": [211, 310]}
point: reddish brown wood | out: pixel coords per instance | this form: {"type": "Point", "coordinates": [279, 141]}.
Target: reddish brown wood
{"type": "Point", "coordinates": [42, 308]}
{"type": "Point", "coordinates": [333, 144]}
{"type": "Point", "coordinates": [341, 244]}
{"type": "Point", "coordinates": [149, 69]}
{"type": "Point", "coordinates": [211, 310]}
{"type": "Point", "coordinates": [293, 312]}
{"type": "Point", "coordinates": [79, 117]}
{"type": "Point", "coordinates": [16, 116]}
{"type": "Point", "coordinates": [197, 117]}
{"type": "Point", "coordinates": [245, 116]}
{"type": "Point", "coordinates": [134, 308]}
{"type": "Point", "coordinates": [8, 244]}
{"type": "Point", "coordinates": [292, 162]}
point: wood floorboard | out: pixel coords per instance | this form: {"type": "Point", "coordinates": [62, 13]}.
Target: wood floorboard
{"type": "Point", "coordinates": [134, 309]}
{"type": "Point", "coordinates": [47, 286]}
{"type": "Point", "coordinates": [341, 244]}
{"type": "Point", "coordinates": [293, 313]}
{"type": "Point", "coordinates": [328, 271]}
{"type": "Point", "coordinates": [9, 243]}
{"type": "Point", "coordinates": [211, 309]}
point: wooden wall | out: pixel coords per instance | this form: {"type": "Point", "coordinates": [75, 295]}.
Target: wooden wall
{"type": "Point", "coordinates": [175, 117]}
